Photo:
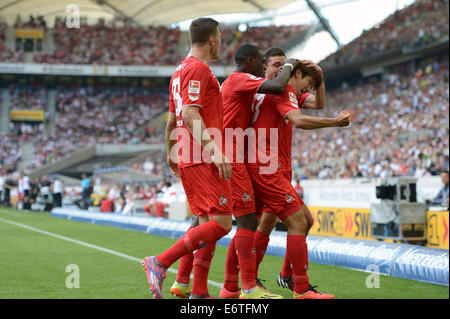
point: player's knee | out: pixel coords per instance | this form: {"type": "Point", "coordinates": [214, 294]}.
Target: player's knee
{"type": "Point", "coordinates": [195, 222]}
{"type": "Point", "coordinates": [225, 221]}
{"type": "Point", "coordinates": [249, 221]}
{"type": "Point", "coordinates": [268, 222]}
{"type": "Point", "coordinates": [297, 223]}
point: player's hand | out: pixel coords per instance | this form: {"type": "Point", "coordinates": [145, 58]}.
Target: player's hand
{"type": "Point", "coordinates": [311, 64]}
{"type": "Point", "coordinates": [343, 119]}
{"type": "Point", "coordinates": [294, 62]}
{"type": "Point", "coordinates": [223, 164]}
{"type": "Point", "coordinates": [173, 167]}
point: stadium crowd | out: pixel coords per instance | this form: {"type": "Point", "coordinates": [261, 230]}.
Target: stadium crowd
{"type": "Point", "coordinates": [86, 116]}
{"type": "Point", "coordinates": [401, 127]}
{"type": "Point", "coordinates": [263, 37]}
{"type": "Point", "coordinates": [421, 23]}
{"type": "Point", "coordinates": [28, 97]}
{"type": "Point", "coordinates": [7, 55]}
{"type": "Point", "coordinates": [112, 45]}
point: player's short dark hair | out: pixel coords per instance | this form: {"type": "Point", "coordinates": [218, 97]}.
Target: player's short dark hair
{"type": "Point", "coordinates": [273, 52]}
{"type": "Point", "coordinates": [309, 71]}
{"type": "Point", "coordinates": [201, 29]}
{"type": "Point", "coordinates": [246, 51]}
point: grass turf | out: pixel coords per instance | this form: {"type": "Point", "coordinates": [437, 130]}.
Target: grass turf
{"type": "Point", "coordinates": [33, 265]}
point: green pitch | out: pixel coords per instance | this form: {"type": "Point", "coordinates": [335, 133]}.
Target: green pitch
{"type": "Point", "coordinates": [37, 250]}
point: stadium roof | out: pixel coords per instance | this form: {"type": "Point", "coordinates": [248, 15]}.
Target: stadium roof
{"type": "Point", "coordinates": [143, 12]}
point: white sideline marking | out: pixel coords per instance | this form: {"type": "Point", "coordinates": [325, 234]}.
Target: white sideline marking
{"type": "Point", "coordinates": [83, 243]}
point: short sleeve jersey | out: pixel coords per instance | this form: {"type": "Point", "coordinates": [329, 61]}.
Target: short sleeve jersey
{"type": "Point", "coordinates": [238, 91]}
{"type": "Point", "coordinates": [269, 121]}
{"type": "Point", "coordinates": [285, 141]}
{"type": "Point", "coordinates": [194, 84]}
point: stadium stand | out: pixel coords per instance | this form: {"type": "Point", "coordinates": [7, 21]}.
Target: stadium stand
{"type": "Point", "coordinates": [27, 97]}
{"type": "Point", "coordinates": [421, 23]}
{"type": "Point", "coordinates": [400, 126]}
{"type": "Point", "coordinates": [263, 37]}
{"type": "Point", "coordinates": [112, 45]}
{"type": "Point", "coordinates": [118, 44]}
{"type": "Point", "coordinates": [10, 152]}
{"type": "Point", "coordinates": [86, 116]}
{"type": "Point", "coordinates": [7, 55]}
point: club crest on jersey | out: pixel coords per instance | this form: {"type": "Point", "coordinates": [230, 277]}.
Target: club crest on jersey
{"type": "Point", "coordinates": [194, 90]}
{"type": "Point", "coordinates": [223, 201]}
{"type": "Point", "coordinates": [246, 198]}
{"type": "Point", "coordinates": [293, 99]}
{"type": "Point", "coordinates": [290, 198]}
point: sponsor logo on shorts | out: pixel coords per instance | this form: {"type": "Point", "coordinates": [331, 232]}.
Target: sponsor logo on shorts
{"type": "Point", "coordinates": [290, 198]}
{"type": "Point", "coordinates": [246, 198]}
{"type": "Point", "coordinates": [223, 201]}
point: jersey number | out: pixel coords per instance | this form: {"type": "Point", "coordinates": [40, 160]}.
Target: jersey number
{"type": "Point", "coordinates": [257, 101]}
{"type": "Point", "coordinates": [176, 95]}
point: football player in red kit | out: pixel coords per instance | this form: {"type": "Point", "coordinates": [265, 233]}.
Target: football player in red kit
{"type": "Point", "coordinates": [275, 58]}
{"type": "Point", "coordinates": [196, 110]}
{"type": "Point", "coordinates": [272, 116]}
{"type": "Point", "coordinates": [238, 91]}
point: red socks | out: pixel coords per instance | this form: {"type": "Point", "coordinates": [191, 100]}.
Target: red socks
{"type": "Point", "coordinates": [231, 280]}
{"type": "Point", "coordinates": [245, 244]}
{"type": "Point", "coordinates": [297, 252]}
{"type": "Point", "coordinates": [202, 264]}
{"type": "Point", "coordinates": [286, 271]}
{"type": "Point", "coordinates": [207, 233]}
{"type": "Point", "coordinates": [261, 243]}
{"type": "Point", "coordinates": [241, 257]}
{"type": "Point", "coordinates": [186, 265]}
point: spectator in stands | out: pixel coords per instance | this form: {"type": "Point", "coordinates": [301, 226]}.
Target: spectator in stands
{"type": "Point", "coordinates": [443, 195]}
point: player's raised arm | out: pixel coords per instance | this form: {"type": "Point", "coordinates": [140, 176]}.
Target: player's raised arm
{"type": "Point", "coordinates": [315, 101]}
{"type": "Point", "coordinates": [278, 85]}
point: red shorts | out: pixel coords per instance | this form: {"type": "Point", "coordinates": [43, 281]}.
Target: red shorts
{"type": "Point", "coordinates": [276, 192]}
{"type": "Point", "coordinates": [288, 175]}
{"type": "Point", "coordinates": [243, 195]}
{"type": "Point", "coordinates": [206, 192]}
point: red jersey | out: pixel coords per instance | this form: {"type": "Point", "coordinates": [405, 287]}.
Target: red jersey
{"type": "Point", "coordinates": [238, 91]}
{"type": "Point", "coordinates": [285, 140]}
{"type": "Point", "coordinates": [193, 84]}
{"type": "Point", "coordinates": [269, 120]}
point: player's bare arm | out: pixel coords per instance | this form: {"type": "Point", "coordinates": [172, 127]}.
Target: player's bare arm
{"type": "Point", "coordinates": [278, 85]}
{"type": "Point", "coordinates": [170, 142]}
{"type": "Point", "coordinates": [190, 114]}
{"type": "Point", "coordinates": [307, 122]}
{"type": "Point", "coordinates": [315, 101]}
